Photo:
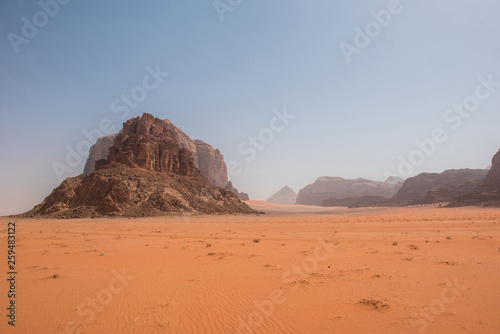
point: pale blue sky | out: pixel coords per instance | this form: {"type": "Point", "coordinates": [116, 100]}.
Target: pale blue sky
{"type": "Point", "coordinates": [226, 77]}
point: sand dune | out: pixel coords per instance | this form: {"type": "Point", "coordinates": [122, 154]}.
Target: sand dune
{"type": "Point", "coordinates": [294, 270]}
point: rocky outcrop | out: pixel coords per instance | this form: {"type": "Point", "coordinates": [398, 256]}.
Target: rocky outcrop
{"type": "Point", "coordinates": [487, 193]}
{"type": "Point", "coordinates": [241, 196]}
{"type": "Point", "coordinates": [146, 173]}
{"type": "Point", "coordinates": [439, 187]}
{"type": "Point", "coordinates": [339, 188]}
{"type": "Point", "coordinates": [207, 159]}
{"type": "Point", "coordinates": [285, 196]}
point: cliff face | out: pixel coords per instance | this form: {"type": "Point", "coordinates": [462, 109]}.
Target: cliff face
{"type": "Point", "coordinates": [146, 173]}
{"type": "Point", "coordinates": [492, 181]}
{"type": "Point", "coordinates": [149, 143]}
{"type": "Point", "coordinates": [487, 193]}
{"type": "Point", "coordinates": [338, 188]}
{"type": "Point", "coordinates": [211, 163]}
{"type": "Point", "coordinates": [437, 187]}
{"type": "Point", "coordinates": [285, 195]}
{"type": "Point", "coordinates": [206, 158]}
{"type": "Point", "coordinates": [98, 151]}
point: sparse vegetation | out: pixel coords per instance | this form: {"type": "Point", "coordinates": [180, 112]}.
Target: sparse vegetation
{"type": "Point", "coordinates": [257, 240]}
{"type": "Point", "coordinates": [373, 302]}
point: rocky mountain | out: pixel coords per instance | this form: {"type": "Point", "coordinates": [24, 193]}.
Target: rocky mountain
{"type": "Point", "coordinates": [146, 173]}
{"type": "Point", "coordinates": [339, 188]}
{"type": "Point", "coordinates": [439, 187]}
{"type": "Point", "coordinates": [207, 159]}
{"type": "Point", "coordinates": [487, 193]}
{"type": "Point", "coordinates": [284, 196]}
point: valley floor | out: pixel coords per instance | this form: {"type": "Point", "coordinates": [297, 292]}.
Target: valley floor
{"type": "Point", "coordinates": [293, 270]}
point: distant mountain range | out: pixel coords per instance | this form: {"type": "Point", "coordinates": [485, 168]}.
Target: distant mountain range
{"type": "Point", "coordinates": [325, 188]}
{"type": "Point", "coordinates": [439, 187]}
{"type": "Point", "coordinates": [458, 187]}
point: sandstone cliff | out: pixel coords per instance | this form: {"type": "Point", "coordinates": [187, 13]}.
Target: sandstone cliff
{"type": "Point", "coordinates": [98, 151]}
{"type": "Point", "coordinates": [207, 159]}
{"type": "Point", "coordinates": [438, 187]}
{"type": "Point", "coordinates": [146, 173]}
{"type": "Point", "coordinates": [339, 188]}
{"type": "Point", "coordinates": [487, 193]}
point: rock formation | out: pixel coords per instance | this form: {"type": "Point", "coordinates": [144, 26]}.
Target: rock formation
{"type": "Point", "coordinates": [339, 188]}
{"type": "Point", "coordinates": [439, 187]}
{"type": "Point", "coordinates": [285, 196]}
{"type": "Point", "coordinates": [146, 173]}
{"type": "Point", "coordinates": [207, 159]}
{"type": "Point", "coordinates": [487, 193]}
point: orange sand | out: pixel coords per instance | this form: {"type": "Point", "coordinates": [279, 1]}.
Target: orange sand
{"type": "Point", "coordinates": [402, 270]}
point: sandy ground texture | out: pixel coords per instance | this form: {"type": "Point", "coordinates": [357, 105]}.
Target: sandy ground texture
{"type": "Point", "coordinates": [293, 270]}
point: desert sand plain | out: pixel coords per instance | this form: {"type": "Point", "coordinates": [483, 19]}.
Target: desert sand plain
{"type": "Point", "coordinates": [293, 270]}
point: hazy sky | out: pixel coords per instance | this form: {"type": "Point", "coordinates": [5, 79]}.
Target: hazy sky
{"type": "Point", "coordinates": [232, 67]}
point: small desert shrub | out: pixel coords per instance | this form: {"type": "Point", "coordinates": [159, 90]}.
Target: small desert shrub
{"type": "Point", "coordinates": [372, 302]}
{"type": "Point", "coordinates": [395, 243]}
{"type": "Point", "coordinates": [414, 247]}
{"type": "Point", "coordinates": [209, 245]}
{"type": "Point", "coordinates": [256, 240]}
